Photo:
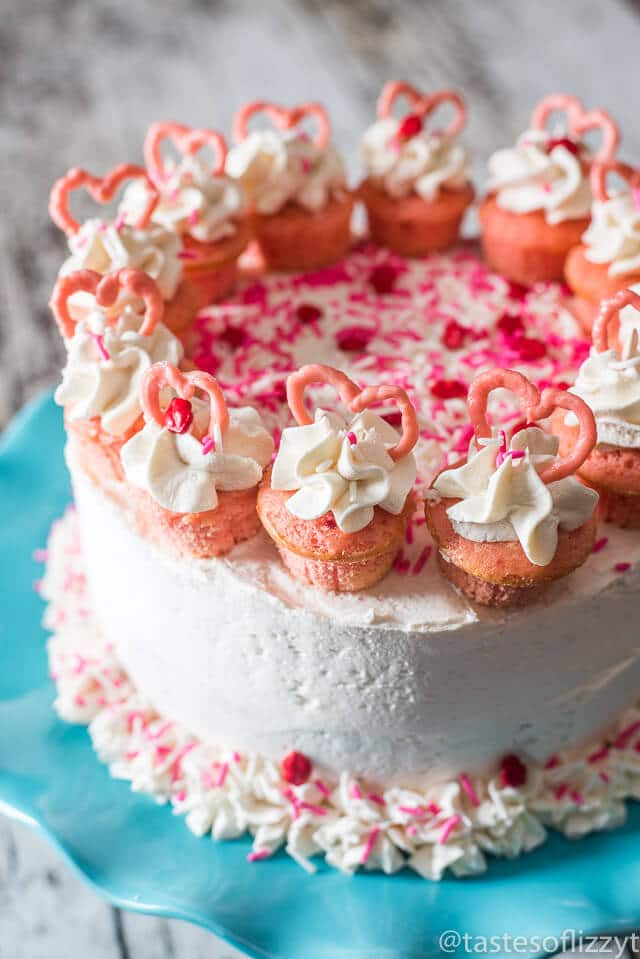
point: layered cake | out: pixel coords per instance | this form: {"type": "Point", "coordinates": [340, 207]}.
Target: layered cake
{"type": "Point", "coordinates": [352, 563]}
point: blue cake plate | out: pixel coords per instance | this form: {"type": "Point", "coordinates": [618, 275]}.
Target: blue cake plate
{"type": "Point", "coordinates": [138, 856]}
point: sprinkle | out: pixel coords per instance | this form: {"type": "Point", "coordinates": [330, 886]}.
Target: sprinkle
{"type": "Point", "coordinates": [296, 768]}
{"type": "Point", "coordinates": [604, 776]}
{"type": "Point", "coordinates": [600, 544]}
{"type": "Point", "coordinates": [513, 771]}
{"type": "Point", "coordinates": [623, 737]}
{"type": "Point", "coordinates": [465, 783]}
{"type": "Point", "coordinates": [599, 754]}
{"type": "Point", "coordinates": [422, 559]}
{"type": "Point", "coordinates": [354, 339]}
{"type": "Point", "coordinates": [224, 770]}
{"type": "Point", "coordinates": [356, 792]}
{"type": "Point", "coordinates": [193, 217]}
{"type": "Point", "coordinates": [305, 164]}
{"type": "Point", "coordinates": [208, 444]}
{"type": "Point", "coordinates": [622, 567]}
{"type": "Point", "coordinates": [552, 762]}
{"type": "Point", "coordinates": [181, 796]}
{"type": "Point", "coordinates": [236, 757]}
{"type": "Point", "coordinates": [311, 807]}
{"type": "Point", "coordinates": [560, 791]}
{"type": "Point", "coordinates": [383, 278]}
{"type": "Point", "coordinates": [370, 843]}
{"type": "Point", "coordinates": [187, 255]}
{"type": "Point", "coordinates": [308, 313]}
{"type": "Point", "coordinates": [377, 799]}
{"type": "Point", "coordinates": [412, 830]}
{"type": "Point", "coordinates": [120, 221]}
{"type": "Point", "coordinates": [321, 787]}
{"type": "Point", "coordinates": [635, 193]}
{"type": "Point", "coordinates": [351, 436]}
{"type": "Point", "coordinates": [258, 854]}
{"type": "Point", "coordinates": [448, 389]}
{"type": "Point", "coordinates": [99, 341]}
{"type": "Point", "coordinates": [577, 797]}
{"type": "Point", "coordinates": [448, 828]}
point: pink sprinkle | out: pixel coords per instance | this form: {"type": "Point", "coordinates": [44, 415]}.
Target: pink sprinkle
{"type": "Point", "coordinates": [120, 221]}
{"type": "Point", "coordinates": [408, 536]}
{"type": "Point", "coordinates": [375, 798]}
{"type": "Point", "coordinates": [604, 777]}
{"type": "Point", "coordinates": [99, 341]}
{"type": "Point", "coordinates": [40, 555]}
{"type": "Point", "coordinates": [311, 807]}
{"type": "Point", "coordinates": [412, 810]}
{"type": "Point", "coordinates": [552, 762]}
{"type": "Point", "coordinates": [181, 796]}
{"type": "Point", "coordinates": [258, 854]}
{"type": "Point", "coordinates": [176, 766]}
{"type": "Point", "coordinates": [422, 559]}
{"type": "Point", "coordinates": [102, 227]}
{"type": "Point", "coordinates": [208, 444]}
{"type": "Point", "coordinates": [412, 830]}
{"type": "Point", "coordinates": [370, 843]}
{"type": "Point", "coordinates": [131, 755]}
{"type": "Point", "coordinates": [622, 567]}
{"type": "Point", "coordinates": [623, 737]}
{"type": "Point", "coordinates": [192, 219]}
{"type": "Point", "coordinates": [351, 436]}
{"type": "Point", "coordinates": [465, 783]}
{"type": "Point", "coordinates": [321, 787]}
{"type": "Point", "coordinates": [561, 791]}
{"type": "Point", "coordinates": [577, 797]}
{"type": "Point", "coordinates": [635, 193]}
{"type": "Point", "coordinates": [237, 758]}
{"type": "Point", "coordinates": [356, 792]}
{"type": "Point", "coordinates": [187, 255]}
{"type": "Point", "coordinates": [224, 769]}
{"type": "Point", "coordinates": [305, 164]}
{"type": "Point", "coordinates": [600, 544]}
{"type": "Point", "coordinates": [448, 828]}
{"type": "Point", "coordinates": [546, 187]}
{"type": "Point", "coordinates": [598, 755]}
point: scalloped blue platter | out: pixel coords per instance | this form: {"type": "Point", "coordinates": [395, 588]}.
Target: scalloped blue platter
{"type": "Point", "coordinates": [138, 856]}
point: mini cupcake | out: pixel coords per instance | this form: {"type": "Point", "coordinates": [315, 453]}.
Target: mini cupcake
{"type": "Point", "coordinates": [198, 203]}
{"type": "Point", "coordinates": [300, 204]}
{"type": "Point", "coordinates": [539, 198]}
{"type": "Point", "coordinates": [512, 518]}
{"type": "Point", "coordinates": [417, 187]}
{"type": "Point", "coordinates": [609, 382]}
{"type": "Point", "coordinates": [108, 351]}
{"type": "Point", "coordinates": [105, 247]}
{"type": "Point", "coordinates": [193, 469]}
{"type": "Point", "coordinates": [338, 499]}
{"type": "Point", "coordinates": [608, 259]}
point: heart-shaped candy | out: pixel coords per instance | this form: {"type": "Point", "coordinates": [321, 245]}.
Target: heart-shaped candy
{"type": "Point", "coordinates": [106, 290]}
{"type": "Point", "coordinates": [102, 189]}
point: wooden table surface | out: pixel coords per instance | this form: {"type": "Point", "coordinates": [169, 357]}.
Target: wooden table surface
{"type": "Point", "coordinates": [80, 82]}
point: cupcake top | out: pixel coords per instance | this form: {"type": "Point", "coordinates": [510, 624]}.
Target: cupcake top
{"type": "Point", "coordinates": [403, 157]}
{"type": "Point", "coordinates": [519, 490]}
{"type": "Point", "coordinates": [283, 164]}
{"type": "Point", "coordinates": [549, 170]}
{"type": "Point", "coordinates": [188, 449]}
{"type": "Point", "coordinates": [195, 196]}
{"type": "Point", "coordinates": [613, 236]}
{"type": "Point", "coordinates": [345, 466]}
{"type": "Point", "coordinates": [110, 349]}
{"type": "Point", "coordinates": [105, 247]}
{"type": "Point", "coordinates": [609, 379]}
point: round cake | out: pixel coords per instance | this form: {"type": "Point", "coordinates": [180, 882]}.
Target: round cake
{"type": "Point", "coordinates": [396, 635]}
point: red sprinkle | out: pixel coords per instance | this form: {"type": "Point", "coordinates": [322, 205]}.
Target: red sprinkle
{"type": "Point", "coordinates": [600, 544]}
{"type": "Point", "coordinates": [622, 567]}
{"type": "Point", "coordinates": [179, 415]}
{"type": "Point", "coordinates": [308, 313]}
{"type": "Point", "coordinates": [517, 291]}
{"type": "Point", "coordinates": [410, 127]}
{"type": "Point", "coordinates": [296, 768]}
{"type": "Point", "coordinates": [565, 142]}
{"type": "Point", "coordinates": [448, 389]}
{"type": "Point", "coordinates": [233, 336]}
{"type": "Point", "coordinates": [513, 771]}
{"type": "Point", "coordinates": [527, 348]}
{"type": "Point", "coordinates": [354, 339]}
{"type": "Point", "coordinates": [383, 278]}
{"type": "Point", "coordinates": [509, 324]}
{"type": "Point", "coordinates": [454, 335]}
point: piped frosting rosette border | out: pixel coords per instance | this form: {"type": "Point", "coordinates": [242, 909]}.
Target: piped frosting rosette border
{"type": "Point", "coordinates": [452, 827]}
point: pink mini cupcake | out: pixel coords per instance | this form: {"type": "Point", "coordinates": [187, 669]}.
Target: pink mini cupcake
{"type": "Point", "coordinates": [107, 353]}
{"type": "Point", "coordinates": [512, 518]}
{"type": "Point", "coordinates": [608, 259]}
{"type": "Point", "coordinates": [539, 200]}
{"type": "Point", "coordinates": [193, 469]}
{"type": "Point", "coordinates": [198, 203]}
{"type": "Point", "coordinates": [417, 187]}
{"type": "Point", "coordinates": [609, 382]}
{"type": "Point", "coordinates": [104, 246]}
{"type": "Point", "coordinates": [338, 499]}
{"type": "Point", "coordinates": [300, 203]}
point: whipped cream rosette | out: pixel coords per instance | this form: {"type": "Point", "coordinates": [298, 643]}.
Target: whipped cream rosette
{"type": "Point", "coordinates": [417, 186]}
{"type": "Point", "coordinates": [296, 184]}
{"type": "Point", "coordinates": [339, 494]}
{"type": "Point", "coordinates": [540, 196]}
{"type": "Point", "coordinates": [513, 517]}
{"type": "Point", "coordinates": [196, 458]}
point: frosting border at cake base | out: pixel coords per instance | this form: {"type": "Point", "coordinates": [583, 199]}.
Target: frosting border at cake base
{"type": "Point", "coordinates": [225, 793]}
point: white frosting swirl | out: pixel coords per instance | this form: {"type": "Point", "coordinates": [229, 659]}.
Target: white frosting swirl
{"type": "Point", "coordinates": [333, 474]}
{"type": "Point", "coordinates": [611, 387]}
{"type": "Point", "coordinates": [104, 247]}
{"type": "Point", "coordinates": [421, 164]}
{"type": "Point", "coordinates": [531, 177]}
{"type": "Point", "coordinates": [175, 471]}
{"type": "Point", "coordinates": [613, 236]}
{"type": "Point", "coordinates": [106, 382]}
{"type": "Point", "coordinates": [508, 502]}
{"type": "Point", "coordinates": [279, 168]}
{"type": "Point", "coordinates": [191, 201]}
